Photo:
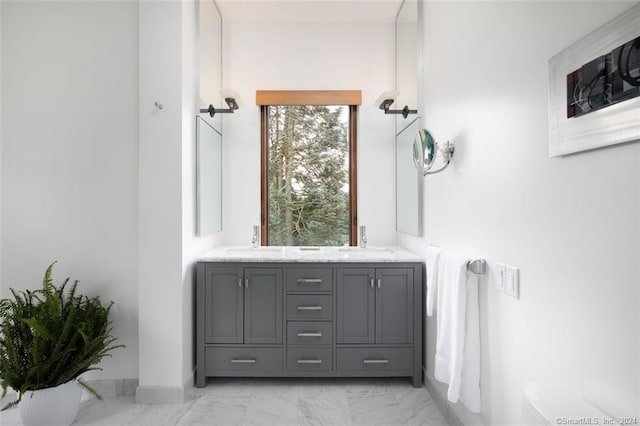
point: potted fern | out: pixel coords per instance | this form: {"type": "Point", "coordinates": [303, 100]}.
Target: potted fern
{"type": "Point", "coordinates": [48, 338]}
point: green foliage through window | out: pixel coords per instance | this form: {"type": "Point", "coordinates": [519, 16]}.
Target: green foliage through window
{"type": "Point", "coordinates": [308, 175]}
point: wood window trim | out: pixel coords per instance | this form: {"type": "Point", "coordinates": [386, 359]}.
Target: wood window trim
{"type": "Point", "coordinates": [350, 98]}
{"type": "Point", "coordinates": [308, 97]}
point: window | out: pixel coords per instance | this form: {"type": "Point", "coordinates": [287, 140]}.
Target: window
{"type": "Point", "coordinates": [308, 176]}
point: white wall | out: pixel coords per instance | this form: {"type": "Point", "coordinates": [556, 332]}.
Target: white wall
{"type": "Point", "coordinates": [168, 245]}
{"type": "Point", "coordinates": [160, 251]}
{"type": "Point", "coordinates": [69, 155]}
{"type": "Point", "coordinates": [570, 224]}
{"type": "Point", "coordinates": [192, 245]}
{"type": "Point", "coordinates": [94, 176]}
{"type": "Point", "coordinates": [308, 56]}
{"type": "Point", "coordinates": [1, 285]}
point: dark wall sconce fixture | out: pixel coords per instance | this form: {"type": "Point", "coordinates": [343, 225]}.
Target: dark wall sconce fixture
{"type": "Point", "coordinates": [231, 102]}
{"type": "Point", "coordinates": [386, 99]}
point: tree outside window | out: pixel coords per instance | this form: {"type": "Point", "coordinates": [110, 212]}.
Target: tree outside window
{"type": "Point", "coordinates": [308, 176]}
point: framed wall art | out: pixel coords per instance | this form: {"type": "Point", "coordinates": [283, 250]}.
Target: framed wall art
{"type": "Point", "coordinates": [594, 88]}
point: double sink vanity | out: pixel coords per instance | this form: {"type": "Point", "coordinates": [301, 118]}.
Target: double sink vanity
{"type": "Point", "coordinates": [309, 312]}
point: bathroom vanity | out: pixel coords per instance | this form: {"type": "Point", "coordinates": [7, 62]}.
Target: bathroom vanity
{"type": "Point", "coordinates": [291, 312]}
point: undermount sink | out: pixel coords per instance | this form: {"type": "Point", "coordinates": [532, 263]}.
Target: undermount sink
{"type": "Point", "coordinates": [364, 253]}
{"type": "Point", "coordinates": [365, 250]}
{"type": "Point", "coordinates": [252, 250]}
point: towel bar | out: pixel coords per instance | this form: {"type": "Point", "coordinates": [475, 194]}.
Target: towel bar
{"type": "Point", "coordinates": [477, 266]}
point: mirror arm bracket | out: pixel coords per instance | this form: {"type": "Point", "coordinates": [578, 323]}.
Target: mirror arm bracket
{"type": "Point", "coordinates": [231, 102]}
{"type": "Point", "coordinates": [386, 104]}
{"type": "Point", "coordinates": [447, 155]}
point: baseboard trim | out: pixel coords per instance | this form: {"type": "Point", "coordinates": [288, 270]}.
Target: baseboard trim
{"type": "Point", "coordinates": [441, 402]}
{"type": "Point", "coordinates": [110, 388]}
{"type": "Point", "coordinates": [160, 395]}
{"type": "Point", "coordinates": [165, 394]}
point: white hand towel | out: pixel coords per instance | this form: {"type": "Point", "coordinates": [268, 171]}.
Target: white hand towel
{"type": "Point", "coordinates": [457, 360]}
{"type": "Point", "coordinates": [432, 254]}
{"type": "Point", "coordinates": [470, 388]}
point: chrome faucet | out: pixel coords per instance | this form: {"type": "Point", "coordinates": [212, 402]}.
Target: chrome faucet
{"type": "Point", "coordinates": [363, 236]}
{"type": "Point", "coordinates": [254, 238]}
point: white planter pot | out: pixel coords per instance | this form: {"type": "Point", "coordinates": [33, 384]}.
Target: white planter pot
{"type": "Point", "coordinates": [52, 406]}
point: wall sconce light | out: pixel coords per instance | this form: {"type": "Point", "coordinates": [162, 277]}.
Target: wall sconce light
{"type": "Point", "coordinates": [232, 99]}
{"type": "Point", "coordinates": [386, 99]}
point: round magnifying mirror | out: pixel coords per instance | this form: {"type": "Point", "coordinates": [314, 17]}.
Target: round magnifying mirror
{"type": "Point", "coordinates": [424, 150]}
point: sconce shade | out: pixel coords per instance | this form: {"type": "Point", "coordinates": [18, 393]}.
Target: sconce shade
{"type": "Point", "coordinates": [387, 98]}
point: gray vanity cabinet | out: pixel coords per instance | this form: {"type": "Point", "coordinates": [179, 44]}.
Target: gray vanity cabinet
{"type": "Point", "coordinates": [309, 319]}
{"type": "Point", "coordinates": [223, 299]}
{"type": "Point", "coordinates": [239, 324]}
{"type": "Point", "coordinates": [375, 306]}
{"type": "Point", "coordinates": [394, 305]}
{"type": "Point", "coordinates": [243, 305]}
{"type": "Point", "coordinates": [356, 305]}
{"type": "Point", "coordinates": [263, 305]}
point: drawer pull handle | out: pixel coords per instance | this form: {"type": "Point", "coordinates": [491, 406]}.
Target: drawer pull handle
{"type": "Point", "coordinates": [309, 334]}
{"type": "Point", "coordinates": [243, 361]}
{"type": "Point", "coordinates": [379, 282]}
{"type": "Point", "coordinates": [375, 361]}
{"type": "Point", "coordinates": [309, 361]}
{"type": "Point", "coordinates": [309, 281]}
{"type": "Point", "coordinates": [371, 282]}
{"type": "Point", "coordinates": [309, 308]}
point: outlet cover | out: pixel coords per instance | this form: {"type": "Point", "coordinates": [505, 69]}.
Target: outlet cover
{"type": "Point", "coordinates": [512, 282]}
{"type": "Point", "coordinates": [501, 277]}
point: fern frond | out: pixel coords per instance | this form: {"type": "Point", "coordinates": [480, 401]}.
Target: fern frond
{"type": "Point", "coordinates": [89, 389]}
{"type": "Point", "coordinates": [12, 403]}
{"type": "Point", "coordinates": [52, 335]}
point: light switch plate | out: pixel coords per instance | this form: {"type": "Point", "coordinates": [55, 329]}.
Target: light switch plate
{"type": "Point", "coordinates": [512, 282]}
{"type": "Point", "coordinates": [501, 277]}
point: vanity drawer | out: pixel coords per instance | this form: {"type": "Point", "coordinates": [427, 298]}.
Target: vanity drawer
{"type": "Point", "coordinates": [311, 306]}
{"type": "Point", "coordinates": [398, 360]}
{"type": "Point", "coordinates": [242, 359]}
{"type": "Point", "coordinates": [309, 359]}
{"type": "Point", "coordinates": [309, 333]}
{"type": "Point", "coordinates": [309, 279]}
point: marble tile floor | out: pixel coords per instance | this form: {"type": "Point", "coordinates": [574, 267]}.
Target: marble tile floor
{"type": "Point", "coordinates": [271, 402]}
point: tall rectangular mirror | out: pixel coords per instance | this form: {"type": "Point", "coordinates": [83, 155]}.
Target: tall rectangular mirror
{"type": "Point", "coordinates": [209, 178]}
{"type": "Point", "coordinates": [408, 182]}
{"type": "Point", "coordinates": [408, 84]}
{"type": "Point", "coordinates": [209, 129]}
{"type": "Point", "coordinates": [407, 61]}
{"type": "Point", "coordinates": [210, 59]}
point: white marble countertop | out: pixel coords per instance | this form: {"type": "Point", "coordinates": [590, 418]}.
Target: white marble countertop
{"type": "Point", "coordinates": [309, 254]}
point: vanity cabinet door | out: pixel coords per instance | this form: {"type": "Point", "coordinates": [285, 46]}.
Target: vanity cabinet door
{"type": "Point", "coordinates": [375, 306]}
{"type": "Point", "coordinates": [263, 305]}
{"type": "Point", "coordinates": [223, 310]}
{"type": "Point", "coordinates": [355, 305]}
{"type": "Point", "coordinates": [394, 305]}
